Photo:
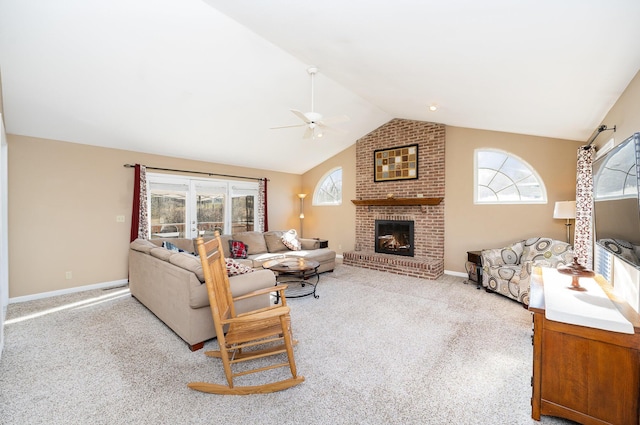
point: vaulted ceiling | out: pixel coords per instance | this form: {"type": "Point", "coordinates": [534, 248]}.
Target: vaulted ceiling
{"type": "Point", "coordinates": [207, 79]}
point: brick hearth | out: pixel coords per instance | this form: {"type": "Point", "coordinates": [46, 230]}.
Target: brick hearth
{"type": "Point", "coordinates": [428, 260]}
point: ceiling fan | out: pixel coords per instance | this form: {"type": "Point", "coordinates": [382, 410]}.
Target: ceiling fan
{"type": "Point", "coordinates": [313, 121]}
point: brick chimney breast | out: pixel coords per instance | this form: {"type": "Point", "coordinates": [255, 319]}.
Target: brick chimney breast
{"type": "Point", "coordinates": [428, 259]}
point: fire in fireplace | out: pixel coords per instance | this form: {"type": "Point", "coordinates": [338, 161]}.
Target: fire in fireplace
{"type": "Point", "coordinates": [394, 237]}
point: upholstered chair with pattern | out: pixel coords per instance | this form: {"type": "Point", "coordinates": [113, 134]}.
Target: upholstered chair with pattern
{"type": "Point", "coordinates": [501, 269]}
{"type": "Point", "coordinates": [507, 271]}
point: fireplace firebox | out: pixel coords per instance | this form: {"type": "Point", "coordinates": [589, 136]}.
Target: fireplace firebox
{"type": "Point", "coordinates": [394, 237]}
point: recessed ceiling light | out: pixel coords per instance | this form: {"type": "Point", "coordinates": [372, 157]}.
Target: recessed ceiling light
{"type": "Point", "coordinates": [433, 107]}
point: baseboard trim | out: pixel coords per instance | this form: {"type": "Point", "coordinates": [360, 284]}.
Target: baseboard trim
{"type": "Point", "coordinates": [49, 294]}
{"type": "Point", "coordinates": [459, 274]}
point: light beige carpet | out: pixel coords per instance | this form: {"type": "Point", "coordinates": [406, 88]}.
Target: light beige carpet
{"type": "Point", "coordinates": [375, 348]}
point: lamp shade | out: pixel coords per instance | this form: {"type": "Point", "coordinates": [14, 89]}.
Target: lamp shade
{"type": "Point", "coordinates": [565, 209]}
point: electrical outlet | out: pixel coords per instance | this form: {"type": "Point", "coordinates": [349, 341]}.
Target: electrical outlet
{"type": "Point", "coordinates": [339, 247]}
{"type": "Point", "coordinates": [68, 275]}
{"type": "Point", "coordinates": [120, 218]}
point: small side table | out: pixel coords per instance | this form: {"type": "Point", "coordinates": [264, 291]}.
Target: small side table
{"type": "Point", "coordinates": [323, 243]}
{"type": "Point", "coordinates": [474, 267]}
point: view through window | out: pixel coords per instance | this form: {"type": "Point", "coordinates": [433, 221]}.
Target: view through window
{"type": "Point", "coordinates": [503, 178]}
{"type": "Point", "coordinates": [329, 188]}
{"type": "Point", "coordinates": [181, 207]}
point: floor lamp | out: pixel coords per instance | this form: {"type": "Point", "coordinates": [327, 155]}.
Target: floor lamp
{"type": "Point", "coordinates": [565, 210]}
{"type": "Point", "coordinates": [301, 196]}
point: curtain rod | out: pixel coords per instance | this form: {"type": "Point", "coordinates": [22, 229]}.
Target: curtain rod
{"type": "Point", "coordinates": [595, 136]}
{"type": "Point", "coordinates": [199, 172]}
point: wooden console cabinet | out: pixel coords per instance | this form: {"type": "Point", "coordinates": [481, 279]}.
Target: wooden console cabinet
{"type": "Point", "coordinates": [587, 375]}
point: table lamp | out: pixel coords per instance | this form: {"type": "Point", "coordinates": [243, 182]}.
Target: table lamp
{"type": "Point", "coordinates": [565, 210]}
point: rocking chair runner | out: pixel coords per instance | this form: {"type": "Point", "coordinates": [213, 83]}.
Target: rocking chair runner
{"type": "Point", "coordinates": [248, 336]}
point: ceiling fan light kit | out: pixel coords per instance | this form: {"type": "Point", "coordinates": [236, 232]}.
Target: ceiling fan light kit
{"type": "Point", "coordinates": [315, 125]}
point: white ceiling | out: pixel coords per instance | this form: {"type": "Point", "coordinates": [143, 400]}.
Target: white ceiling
{"type": "Point", "coordinates": [206, 79]}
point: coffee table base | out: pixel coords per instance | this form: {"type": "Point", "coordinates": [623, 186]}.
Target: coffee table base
{"type": "Point", "coordinates": [297, 273]}
{"type": "Point", "coordinates": [298, 286]}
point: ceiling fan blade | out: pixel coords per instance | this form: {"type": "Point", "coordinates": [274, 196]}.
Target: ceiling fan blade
{"type": "Point", "coordinates": [330, 129]}
{"type": "Point", "coordinates": [287, 126]}
{"type": "Point", "coordinates": [313, 120]}
{"type": "Point", "coordinates": [336, 119]}
{"type": "Point", "coordinates": [300, 115]}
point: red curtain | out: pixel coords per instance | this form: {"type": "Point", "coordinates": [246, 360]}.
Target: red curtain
{"type": "Point", "coordinates": [135, 212]}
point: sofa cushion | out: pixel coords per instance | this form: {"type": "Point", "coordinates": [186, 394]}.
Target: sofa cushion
{"type": "Point", "coordinates": [161, 253]}
{"type": "Point", "coordinates": [273, 239]}
{"type": "Point", "coordinates": [254, 240]}
{"type": "Point", "coordinates": [142, 245]}
{"type": "Point", "coordinates": [187, 262]}
{"type": "Point", "coordinates": [240, 285]}
{"type": "Point", "coordinates": [224, 240]}
{"type": "Point", "coordinates": [319, 255]}
{"type": "Point", "coordinates": [547, 252]}
{"type": "Point", "coordinates": [290, 240]}
{"type": "Point", "coordinates": [259, 259]}
{"type": "Point", "coordinates": [238, 249]}
{"type": "Point", "coordinates": [245, 283]}
{"type": "Point", "coordinates": [309, 243]}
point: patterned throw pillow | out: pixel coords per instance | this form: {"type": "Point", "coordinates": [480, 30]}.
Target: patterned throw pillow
{"type": "Point", "coordinates": [290, 240]}
{"type": "Point", "coordinates": [238, 249]}
{"type": "Point", "coordinates": [171, 247]}
{"type": "Point", "coordinates": [234, 268]}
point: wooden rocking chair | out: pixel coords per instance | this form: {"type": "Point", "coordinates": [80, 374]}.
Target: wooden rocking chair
{"type": "Point", "coordinates": [249, 336]}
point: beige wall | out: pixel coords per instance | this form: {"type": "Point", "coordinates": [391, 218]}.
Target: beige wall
{"type": "Point", "coordinates": [64, 197]}
{"type": "Point", "coordinates": [467, 226]}
{"type": "Point", "coordinates": [63, 203]}
{"type": "Point", "coordinates": [625, 115]}
{"type": "Point", "coordinates": [474, 227]}
{"type": "Point", "coordinates": [334, 223]}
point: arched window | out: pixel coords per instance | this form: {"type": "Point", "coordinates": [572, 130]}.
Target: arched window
{"type": "Point", "coordinates": [503, 178]}
{"type": "Point", "coordinates": [328, 191]}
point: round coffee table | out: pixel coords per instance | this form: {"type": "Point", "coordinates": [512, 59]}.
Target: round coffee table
{"type": "Point", "coordinates": [297, 273]}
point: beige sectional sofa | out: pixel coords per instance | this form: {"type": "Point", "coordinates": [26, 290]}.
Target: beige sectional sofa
{"type": "Point", "coordinates": [170, 284]}
{"type": "Point", "coordinates": [268, 245]}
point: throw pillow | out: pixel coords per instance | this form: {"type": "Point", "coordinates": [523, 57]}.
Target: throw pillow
{"type": "Point", "coordinates": [171, 247]}
{"type": "Point", "coordinates": [234, 268]}
{"type": "Point", "coordinates": [238, 249]}
{"type": "Point", "coordinates": [290, 240]}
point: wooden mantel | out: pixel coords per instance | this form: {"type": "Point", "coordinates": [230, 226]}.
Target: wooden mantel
{"type": "Point", "coordinates": [398, 201]}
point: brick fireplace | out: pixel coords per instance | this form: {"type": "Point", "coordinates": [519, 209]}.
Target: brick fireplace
{"type": "Point", "coordinates": [420, 200]}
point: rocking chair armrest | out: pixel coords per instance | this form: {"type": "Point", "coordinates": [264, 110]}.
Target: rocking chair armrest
{"type": "Point", "coordinates": [258, 316]}
{"type": "Point", "coordinates": [260, 292]}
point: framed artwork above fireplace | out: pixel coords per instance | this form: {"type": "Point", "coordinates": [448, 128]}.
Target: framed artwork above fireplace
{"type": "Point", "coordinates": [400, 163]}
